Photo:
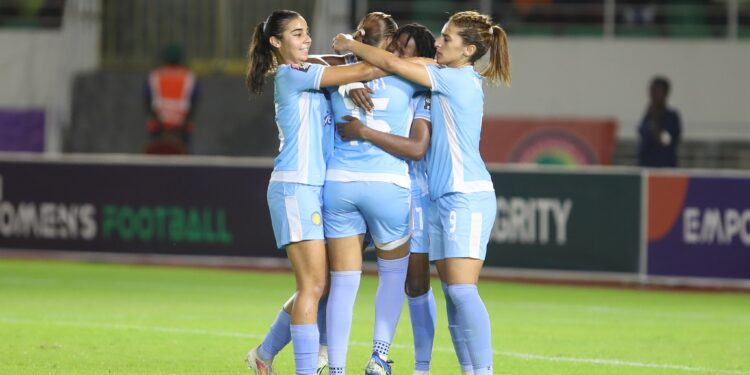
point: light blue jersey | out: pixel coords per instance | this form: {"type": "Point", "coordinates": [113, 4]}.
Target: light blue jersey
{"type": "Point", "coordinates": [420, 197]}
{"type": "Point", "coordinates": [305, 125]}
{"type": "Point", "coordinates": [363, 161]}
{"type": "Point", "coordinates": [417, 171]}
{"type": "Point", "coordinates": [453, 160]}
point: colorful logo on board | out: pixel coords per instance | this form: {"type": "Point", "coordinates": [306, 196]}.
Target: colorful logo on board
{"type": "Point", "coordinates": [553, 147]}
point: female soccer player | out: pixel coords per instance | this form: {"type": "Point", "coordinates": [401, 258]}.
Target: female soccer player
{"type": "Point", "coordinates": [366, 187]}
{"type": "Point", "coordinates": [420, 296]}
{"type": "Point", "coordinates": [463, 199]}
{"type": "Point", "coordinates": [281, 45]}
{"type": "Point", "coordinates": [375, 29]}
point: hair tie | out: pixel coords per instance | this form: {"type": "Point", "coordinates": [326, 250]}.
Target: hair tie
{"type": "Point", "coordinates": [361, 32]}
{"type": "Point", "coordinates": [265, 26]}
{"type": "Point", "coordinates": [492, 30]}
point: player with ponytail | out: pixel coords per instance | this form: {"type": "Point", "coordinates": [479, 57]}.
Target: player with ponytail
{"type": "Point", "coordinates": [464, 206]}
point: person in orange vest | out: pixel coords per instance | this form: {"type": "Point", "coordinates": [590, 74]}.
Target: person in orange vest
{"type": "Point", "coordinates": [171, 97]}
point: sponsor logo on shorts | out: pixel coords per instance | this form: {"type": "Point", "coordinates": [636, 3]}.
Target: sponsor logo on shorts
{"type": "Point", "coordinates": [316, 219]}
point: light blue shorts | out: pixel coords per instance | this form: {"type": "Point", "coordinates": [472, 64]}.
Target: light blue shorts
{"type": "Point", "coordinates": [295, 212]}
{"type": "Point", "coordinates": [460, 225]}
{"type": "Point", "coordinates": [420, 209]}
{"type": "Point", "coordinates": [350, 208]}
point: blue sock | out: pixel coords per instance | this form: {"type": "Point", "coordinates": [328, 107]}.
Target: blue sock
{"type": "Point", "coordinates": [322, 306]}
{"type": "Point", "coordinates": [475, 325]}
{"type": "Point", "coordinates": [344, 286]}
{"type": "Point", "coordinates": [459, 343]}
{"type": "Point", "coordinates": [389, 300]}
{"type": "Point", "coordinates": [423, 319]}
{"type": "Point", "coordinates": [305, 341]}
{"type": "Point", "coordinates": [277, 337]}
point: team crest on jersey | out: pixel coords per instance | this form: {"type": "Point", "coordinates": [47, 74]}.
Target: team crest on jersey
{"type": "Point", "coordinates": [328, 119]}
{"type": "Point", "coordinates": [316, 219]}
{"type": "Point", "coordinates": [302, 68]}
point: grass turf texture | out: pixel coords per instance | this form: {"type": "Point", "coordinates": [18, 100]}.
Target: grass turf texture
{"type": "Point", "coordinates": [77, 318]}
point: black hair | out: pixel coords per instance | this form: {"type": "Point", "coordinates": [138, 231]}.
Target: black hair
{"type": "Point", "coordinates": [662, 82]}
{"type": "Point", "coordinates": [376, 26]}
{"type": "Point", "coordinates": [423, 38]}
{"type": "Point", "coordinates": [260, 54]}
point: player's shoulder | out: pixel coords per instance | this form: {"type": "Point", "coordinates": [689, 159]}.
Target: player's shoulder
{"type": "Point", "coordinates": [448, 73]}
{"type": "Point", "coordinates": [289, 69]}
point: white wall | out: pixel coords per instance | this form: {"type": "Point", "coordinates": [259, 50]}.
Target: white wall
{"type": "Point", "coordinates": [37, 66]}
{"type": "Point", "coordinates": [609, 78]}
{"type": "Point", "coordinates": [551, 76]}
{"type": "Point", "coordinates": [330, 18]}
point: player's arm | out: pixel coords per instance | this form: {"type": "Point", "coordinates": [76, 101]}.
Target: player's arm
{"type": "Point", "coordinates": [412, 148]}
{"type": "Point", "coordinates": [339, 75]}
{"type": "Point", "coordinates": [317, 59]}
{"type": "Point", "coordinates": [330, 60]}
{"type": "Point", "coordinates": [333, 60]}
{"type": "Point", "coordinates": [412, 69]}
{"type": "Point", "coordinates": [360, 94]}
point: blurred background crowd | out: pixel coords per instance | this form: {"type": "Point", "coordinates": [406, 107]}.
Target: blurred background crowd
{"type": "Point", "coordinates": [78, 76]}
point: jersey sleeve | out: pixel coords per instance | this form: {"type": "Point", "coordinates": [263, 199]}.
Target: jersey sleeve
{"type": "Point", "coordinates": [301, 77]}
{"type": "Point", "coordinates": [439, 78]}
{"type": "Point", "coordinates": [422, 109]}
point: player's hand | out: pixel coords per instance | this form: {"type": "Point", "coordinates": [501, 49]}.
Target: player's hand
{"type": "Point", "coordinates": [341, 43]}
{"type": "Point", "coordinates": [352, 130]}
{"type": "Point", "coordinates": [361, 98]}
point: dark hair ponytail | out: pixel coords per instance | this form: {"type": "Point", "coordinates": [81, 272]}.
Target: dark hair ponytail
{"type": "Point", "coordinates": [260, 60]}
{"type": "Point", "coordinates": [260, 55]}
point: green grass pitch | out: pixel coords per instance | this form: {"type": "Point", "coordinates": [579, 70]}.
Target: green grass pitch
{"type": "Point", "coordinates": [79, 318]}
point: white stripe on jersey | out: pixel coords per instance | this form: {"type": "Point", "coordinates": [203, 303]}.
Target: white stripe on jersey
{"type": "Point", "coordinates": [303, 145]}
{"type": "Point", "coordinates": [282, 137]}
{"type": "Point", "coordinates": [459, 184]}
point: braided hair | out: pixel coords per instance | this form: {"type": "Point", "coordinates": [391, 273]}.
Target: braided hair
{"type": "Point", "coordinates": [478, 30]}
{"type": "Point", "coordinates": [423, 39]}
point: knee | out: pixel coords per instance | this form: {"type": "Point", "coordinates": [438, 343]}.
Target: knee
{"type": "Point", "coordinates": [417, 286]}
{"type": "Point", "coordinates": [314, 288]}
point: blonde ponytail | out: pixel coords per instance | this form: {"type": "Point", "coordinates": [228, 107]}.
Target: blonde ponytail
{"type": "Point", "coordinates": [498, 69]}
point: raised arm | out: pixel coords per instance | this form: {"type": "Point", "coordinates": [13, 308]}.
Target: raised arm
{"type": "Point", "coordinates": [329, 59]}
{"type": "Point", "coordinates": [412, 148]}
{"type": "Point", "coordinates": [412, 69]}
{"type": "Point", "coordinates": [339, 75]}
{"type": "Point", "coordinates": [318, 59]}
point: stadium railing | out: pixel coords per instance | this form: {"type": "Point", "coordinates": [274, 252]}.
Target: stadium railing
{"type": "Point", "coordinates": [582, 18]}
{"type": "Point", "coordinates": [215, 32]}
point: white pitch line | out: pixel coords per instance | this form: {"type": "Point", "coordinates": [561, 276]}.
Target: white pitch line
{"type": "Point", "coordinates": [525, 356]}
{"type": "Point", "coordinates": [594, 309]}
